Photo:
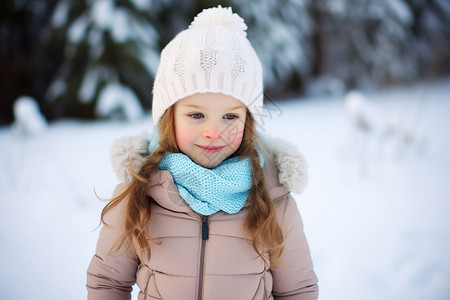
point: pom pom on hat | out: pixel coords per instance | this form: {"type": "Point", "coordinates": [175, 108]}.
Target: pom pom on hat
{"type": "Point", "coordinates": [222, 16]}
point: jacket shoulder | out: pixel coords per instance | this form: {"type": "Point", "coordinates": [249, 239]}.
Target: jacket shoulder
{"type": "Point", "coordinates": [284, 165]}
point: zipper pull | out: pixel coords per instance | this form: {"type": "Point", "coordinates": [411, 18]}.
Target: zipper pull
{"type": "Point", "coordinates": [205, 229]}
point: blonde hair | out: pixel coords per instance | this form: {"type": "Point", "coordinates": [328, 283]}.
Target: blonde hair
{"type": "Point", "coordinates": [260, 225]}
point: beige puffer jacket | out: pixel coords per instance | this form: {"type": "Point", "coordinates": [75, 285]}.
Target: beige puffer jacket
{"type": "Point", "coordinates": [204, 257]}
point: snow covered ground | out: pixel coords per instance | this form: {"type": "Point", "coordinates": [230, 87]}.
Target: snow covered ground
{"type": "Point", "coordinates": [376, 212]}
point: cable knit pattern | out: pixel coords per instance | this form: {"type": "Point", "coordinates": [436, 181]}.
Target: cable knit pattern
{"type": "Point", "coordinates": [207, 191]}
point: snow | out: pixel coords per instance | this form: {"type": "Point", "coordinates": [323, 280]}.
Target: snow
{"type": "Point", "coordinates": [102, 13]}
{"type": "Point", "coordinates": [360, 111]}
{"type": "Point", "coordinates": [28, 117]}
{"type": "Point", "coordinates": [379, 234]}
{"type": "Point", "coordinates": [88, 86]}
{"type": "Point", "coordinates": [118, 98]}
{"type": "Point", "coordinates": [142, 4]}
{"type": "Point", "coordinates": [134, 40]}
{"type": "Point", "coordinates": [278, 34]}
{"type": "Point", "coordinates": [401, 10]}
{"type": "Point", "coordinates": [109, 17]}
{"type": "Point", "coordinates": [443, 6]}
{"type": "Point", "coordinates": [150, 60]}
{"type": "Point", "coordinates": [325, 85]}
{"type": "Point", "coordinates": [56, 89]}
{"type": "Point", "coordinates": [60, 16]}
{"type": "Point", "coordinates": [77, 30]}
{"type": "Point", "coordinates": [142, 32]}
{"type": "Point", "coordinates": [120, 27]}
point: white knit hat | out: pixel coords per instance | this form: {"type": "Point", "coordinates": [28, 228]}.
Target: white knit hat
{"type": "Point", "coordinates": [212, 56]}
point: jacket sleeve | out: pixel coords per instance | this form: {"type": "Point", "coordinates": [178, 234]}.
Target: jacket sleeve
{"type": "Point", "coordinates": [295, 278]}
{"type": "Point", "coordinates": [110, 276]}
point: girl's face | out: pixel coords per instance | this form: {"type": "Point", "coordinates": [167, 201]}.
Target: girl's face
{"type": "Point", "coordinates": [209, 127]}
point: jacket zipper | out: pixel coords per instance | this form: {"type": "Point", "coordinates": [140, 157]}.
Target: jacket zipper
{"type": "Point", "coordinates": [205, 236]}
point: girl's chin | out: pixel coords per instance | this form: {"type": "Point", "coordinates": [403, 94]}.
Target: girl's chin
{"type": "Point", "coordinates": [209, 164]}
{"type": "Point", "coordinates": [209, 161]}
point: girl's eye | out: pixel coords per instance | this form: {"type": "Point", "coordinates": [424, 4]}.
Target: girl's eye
{"type": "Point", "coordinates": [196, 115]}
{"type": "Point", "coordinates": [230, 117]}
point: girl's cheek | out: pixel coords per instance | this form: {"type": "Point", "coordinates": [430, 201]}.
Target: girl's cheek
{"type": "Point", "coordinates": [185, 136]}
{"type": "Point", "coordinates": [236, 139]}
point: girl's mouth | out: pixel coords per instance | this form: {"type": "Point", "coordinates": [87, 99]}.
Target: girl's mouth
{"type": "Point", "coordinates": [211, 149]}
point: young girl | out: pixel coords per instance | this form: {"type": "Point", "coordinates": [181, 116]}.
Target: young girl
{"type": "Point", "coordinates": [201, 212]}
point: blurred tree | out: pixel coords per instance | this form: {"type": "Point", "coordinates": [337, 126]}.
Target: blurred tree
{"type": "Point", "coordinates": [279, 34]}
{"type": "Point", "coordinates": [104, 43]}
{"type": "Point", "coordinates": [69, 55]}
{"type": "Point", "coordinates": [430, 29]}
{"type": "Point", "coordinates": [24, 68]}
{"type": "Point", "coordinates": [386, 41]}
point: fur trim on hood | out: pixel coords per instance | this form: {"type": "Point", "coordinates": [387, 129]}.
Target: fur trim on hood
{"type": "Point", "coordinates": [291, 164]}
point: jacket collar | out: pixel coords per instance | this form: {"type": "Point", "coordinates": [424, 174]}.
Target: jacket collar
{"type": "Point", "coordinates": [285, 169]}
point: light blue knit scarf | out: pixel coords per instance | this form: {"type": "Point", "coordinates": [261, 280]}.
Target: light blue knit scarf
{"type": "Point", "coordinates": [208, 191]}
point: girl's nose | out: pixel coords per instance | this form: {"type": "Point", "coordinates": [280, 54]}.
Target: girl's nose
{"type": "Point", "coordinates": [212, 133]}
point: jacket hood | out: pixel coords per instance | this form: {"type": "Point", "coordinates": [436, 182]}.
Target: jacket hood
{"type": "Point", "coordinates": [290, 164]}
